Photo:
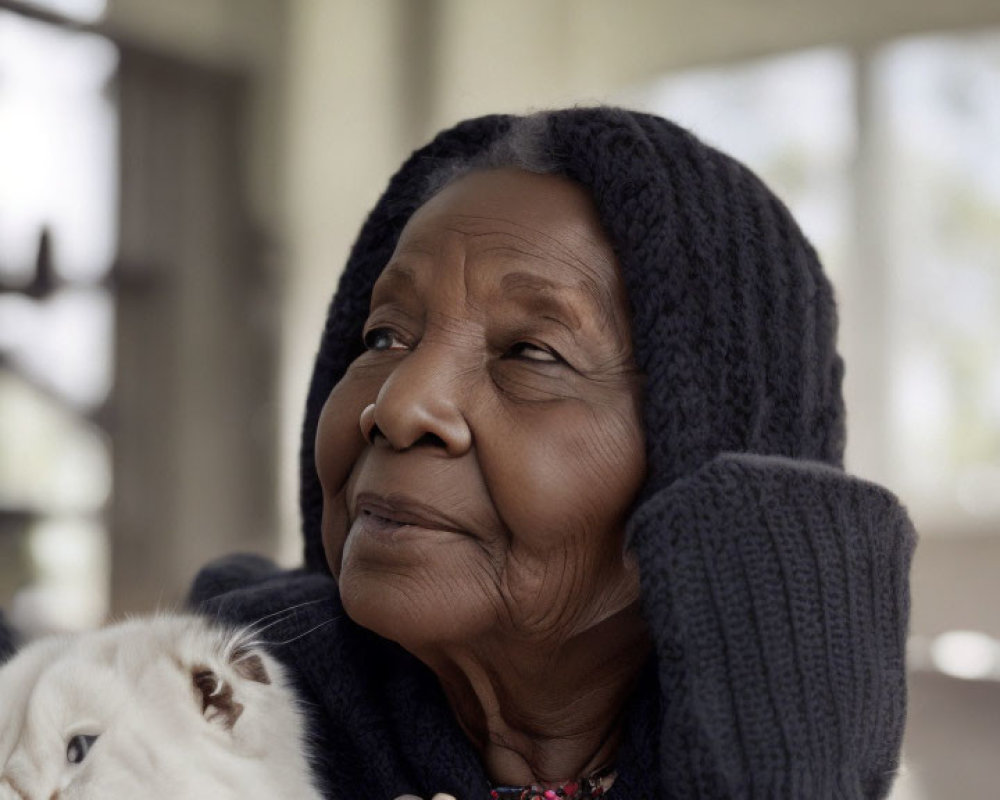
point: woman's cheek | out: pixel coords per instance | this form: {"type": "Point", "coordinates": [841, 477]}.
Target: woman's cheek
{"type": "Point", "coordinates": [339, 441]}
{"type": "Point", "coordinates": [575, 471]}
{"type": "Point", "coordinates": [334, 531]}
{"type": "Point", "coordinates": [339, 446]}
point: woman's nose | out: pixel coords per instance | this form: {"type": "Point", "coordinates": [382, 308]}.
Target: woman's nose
{"type": "Point", "coordinates": [419, 405]}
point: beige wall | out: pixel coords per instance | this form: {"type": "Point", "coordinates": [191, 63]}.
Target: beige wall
{"type": "Point", "coordinates": [244, 36]}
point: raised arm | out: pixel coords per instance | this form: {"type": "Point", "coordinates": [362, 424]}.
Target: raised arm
{"type": "Point", "coordinates": [779, 601]}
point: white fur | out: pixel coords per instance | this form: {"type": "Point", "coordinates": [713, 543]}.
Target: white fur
{"type": "Point", "coordinates": [131, 685]}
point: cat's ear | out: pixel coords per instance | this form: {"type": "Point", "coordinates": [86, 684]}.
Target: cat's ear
{"type": "Point", "coordinates": [249, 665]}
{"type": "Point", "coordinates": [217, 703]}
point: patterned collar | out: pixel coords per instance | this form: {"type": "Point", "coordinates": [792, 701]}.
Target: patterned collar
{"type": "Point", "coordinates": [594, 785]}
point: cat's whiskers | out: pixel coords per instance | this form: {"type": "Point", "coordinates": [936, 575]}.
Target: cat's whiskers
{"type": "Point", "coordinates": [249, 636]}
{"type": "Point", "coordinates": [255, 628]}
{"type": "Point", "coordinates": [314, 628]}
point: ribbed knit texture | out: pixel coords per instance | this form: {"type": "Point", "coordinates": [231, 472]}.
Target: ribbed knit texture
{"type": "Point", "coordinates": [777, 593]}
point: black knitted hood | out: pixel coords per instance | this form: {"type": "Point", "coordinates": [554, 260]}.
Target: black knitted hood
{"type": "Point", "coordinates": [733, 320]}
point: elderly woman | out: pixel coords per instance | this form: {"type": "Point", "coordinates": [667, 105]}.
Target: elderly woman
{"type": "Point", "coordinates": [572, 455]}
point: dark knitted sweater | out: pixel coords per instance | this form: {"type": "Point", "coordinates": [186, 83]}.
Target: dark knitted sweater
{"type": "Point", "coordinates": [774, 585]}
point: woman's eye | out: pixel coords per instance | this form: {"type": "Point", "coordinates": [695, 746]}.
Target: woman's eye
{"type": "Point", "coordinates": [533, 352]}
{"type": "Point", "coordinates": [382, 339]}
{"type": "Point", "coordinates": [78, 747]}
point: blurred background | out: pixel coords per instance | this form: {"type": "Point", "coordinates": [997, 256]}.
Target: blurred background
{"type": "Point", "coordinates": [180, 183]}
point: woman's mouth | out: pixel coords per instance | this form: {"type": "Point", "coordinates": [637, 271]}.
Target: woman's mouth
{"type": "Point", "coordinates": [387, 514]}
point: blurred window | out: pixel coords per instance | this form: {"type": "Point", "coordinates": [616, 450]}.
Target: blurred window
{"type": "Point", "coordinates": [790, 118]}
{"type": "Point", "coordinates": [930, 134]}
{"type": "Point", "coordinates": [58, 183]}
{"type": "Point", "coordinates": [942, 174]}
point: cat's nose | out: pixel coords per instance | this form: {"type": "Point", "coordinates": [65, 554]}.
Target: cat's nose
{"type": "Point", "coordinates": [7, 790]}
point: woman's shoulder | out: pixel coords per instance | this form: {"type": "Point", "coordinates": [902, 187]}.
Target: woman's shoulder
{"type": "Point", "coordinates": [241, 588]}
{"type": "Point", "coordinates": [293, 612]}
{"type": "Point", "coordinates": [240, 571]}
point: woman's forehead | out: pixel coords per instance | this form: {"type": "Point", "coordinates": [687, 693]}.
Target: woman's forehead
{"type": "Point", "coordinates": [518, 230]}
{"type": "Point", "coordinates": [550, 206]}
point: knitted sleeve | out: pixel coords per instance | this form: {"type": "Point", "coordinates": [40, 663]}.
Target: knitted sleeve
{"type": "Point", "coordinates": [777, 593]}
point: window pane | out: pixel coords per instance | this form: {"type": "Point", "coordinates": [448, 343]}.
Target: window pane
{"type": "Point", "coordinates": [942, 104]}
{"type": "Point", "coordinates": [57, 148]}
{"type": "Point", "coordinates": [58, 174]}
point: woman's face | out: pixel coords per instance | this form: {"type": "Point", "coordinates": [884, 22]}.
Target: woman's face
{"type": "Point", "coordinates": [484, 493]}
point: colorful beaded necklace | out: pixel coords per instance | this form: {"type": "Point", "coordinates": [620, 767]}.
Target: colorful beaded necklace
{"type": "Point", "coordinates": [594, 785]}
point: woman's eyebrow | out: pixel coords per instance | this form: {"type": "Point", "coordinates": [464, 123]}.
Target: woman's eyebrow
{"type": "Point", "coordinates": [547, 298]}
{"type": "Point", "coordinates": [395, 280]}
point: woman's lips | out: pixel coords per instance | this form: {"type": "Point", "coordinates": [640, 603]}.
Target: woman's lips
{"type": "Point", "coordinates": [380, 513]}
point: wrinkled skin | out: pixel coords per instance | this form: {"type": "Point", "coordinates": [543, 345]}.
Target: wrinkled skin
{"type": "Point", "coordinates": [479, 458]}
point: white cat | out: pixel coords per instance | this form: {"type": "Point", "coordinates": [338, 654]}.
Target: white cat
{"type": "Point", "coordinates": [166, 708]}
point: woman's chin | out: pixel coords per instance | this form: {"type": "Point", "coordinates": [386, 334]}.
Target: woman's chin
{"type": "Point", "coordinates": [418, 612]}
{"type": "Point", "coordinates": [414, 585]}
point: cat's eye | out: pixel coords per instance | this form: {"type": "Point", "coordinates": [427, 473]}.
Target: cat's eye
{"type": "Point", "coordinates": [78, 747]}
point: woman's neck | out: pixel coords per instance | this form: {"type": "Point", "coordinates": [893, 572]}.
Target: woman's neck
{"type": "Point", "coordinates": [544, 713]}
